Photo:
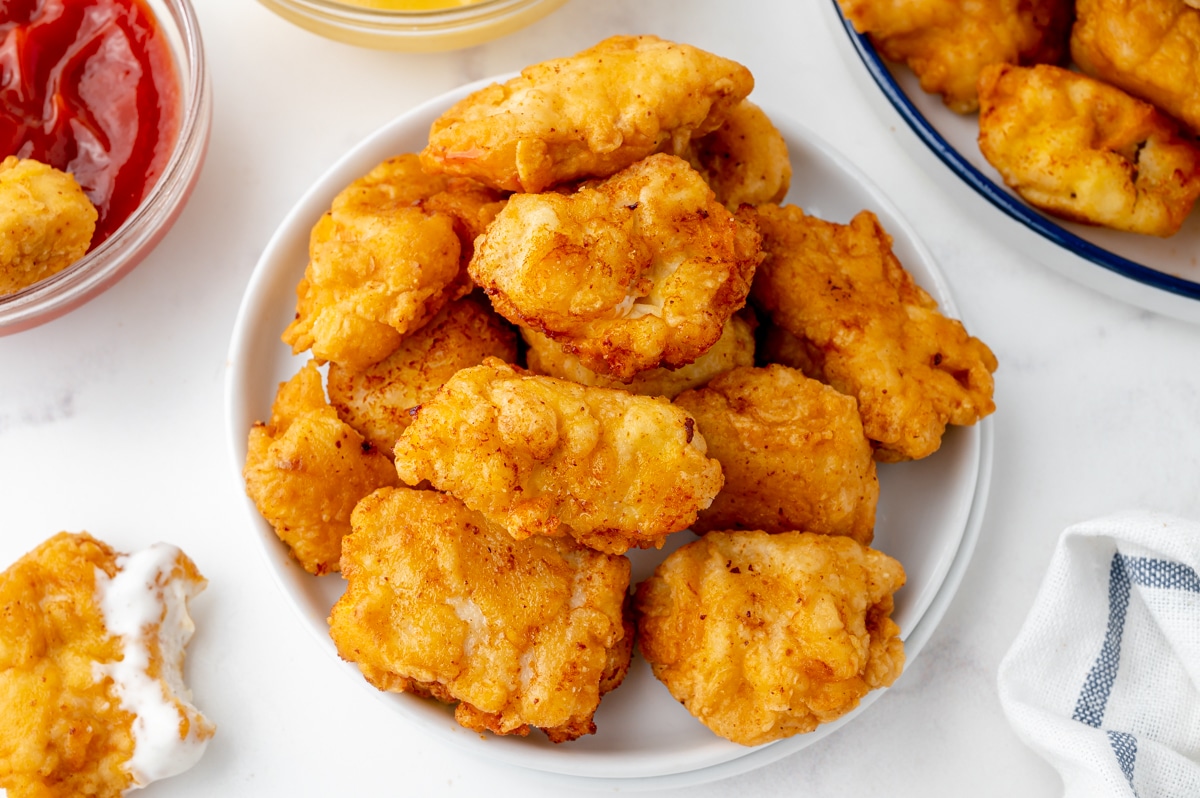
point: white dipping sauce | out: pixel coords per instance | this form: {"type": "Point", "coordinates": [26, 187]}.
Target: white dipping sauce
{"type": "Point", "coordinates": [144, 605]}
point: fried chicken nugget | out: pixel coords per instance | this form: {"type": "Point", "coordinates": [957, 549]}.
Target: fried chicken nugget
{"type": "Point", "coordinates": [734, 348]}
{"type": "Point", "coordinates": [46, 222]}
{"type": "Point", "coordinates": [792, 451]}
{"type": "Point", "coordinates": [92, 697]}
{"type": "Point", "coordinates": [518, 633]}
{"type": "Point", "coordinates": [867, 329]}
{"type": "Point", "coordinates": [1149, 48]}
{"type": "Point", "coordinates": [947, 43]}
{"type": "Point", "coordinates": [306, 469]}
{"type": "Point", "coordinates": [542, 456]}
{"type": "Point", "coordinates": [745, 161]}
{"type": "Point", "coordinates": [589, 115]}
{"type": "Point", "coordinates": [388, 255]}
{"type": "Point", "coordinates": [765, 636]}
{"type": "Point", "coordinates": [376, 400]}
{"type": "Point", "coordinates": [1087, 151]}
{"type": "Point", "coordinates": [640, 270]}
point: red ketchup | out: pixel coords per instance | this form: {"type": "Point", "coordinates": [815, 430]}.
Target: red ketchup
{"type": "Point", "coordinates": [89, 87]}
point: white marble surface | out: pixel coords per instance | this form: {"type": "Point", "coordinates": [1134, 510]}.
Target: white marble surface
{"type": "Point", "coordinates": [112, 419]}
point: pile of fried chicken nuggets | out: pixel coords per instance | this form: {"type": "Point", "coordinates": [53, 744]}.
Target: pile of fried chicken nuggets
{"type": "Point", "coordinates": [604, 220]}
{"type": "Point", "coordinates": [1114, 146]}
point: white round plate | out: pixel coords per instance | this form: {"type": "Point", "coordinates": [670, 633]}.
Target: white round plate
{"type": "Point", "coordinates": [1158, 274]}
{"type": "Point", "coordinates": [928, 516]}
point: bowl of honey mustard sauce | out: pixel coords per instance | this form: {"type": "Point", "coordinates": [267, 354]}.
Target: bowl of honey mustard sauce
{"type": "Point", "coordinates": [413, 25]}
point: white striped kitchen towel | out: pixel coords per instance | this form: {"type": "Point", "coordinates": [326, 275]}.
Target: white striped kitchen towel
{"type": "Point", "coordinates": [1103, 679]}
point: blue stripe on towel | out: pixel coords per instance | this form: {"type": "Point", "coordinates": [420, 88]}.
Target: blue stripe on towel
{"type": "Point", "coordinates": [1124, 745]}
{"type": "Point", "coordinates": [1093, 698]}
{"type": "Point", "coordinates": [1161, 573]}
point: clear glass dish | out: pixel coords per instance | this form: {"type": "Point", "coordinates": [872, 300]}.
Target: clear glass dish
{"type": "Point", "coordinates": [415, 30]}
{"type": "Point", "coordinates": [145, 227]}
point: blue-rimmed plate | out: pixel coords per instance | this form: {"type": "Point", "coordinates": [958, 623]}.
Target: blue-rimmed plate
{"type": "Point", "coordinates": [1162, 275]}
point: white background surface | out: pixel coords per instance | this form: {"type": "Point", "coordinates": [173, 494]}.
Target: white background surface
{"type": "Point", "coordinates": [112, 419]}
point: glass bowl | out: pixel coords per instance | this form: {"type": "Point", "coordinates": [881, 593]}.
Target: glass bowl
{"type": "Point", "coordinates": [413, 30]}
{"type": "Point", "coordinates": [132, 241]}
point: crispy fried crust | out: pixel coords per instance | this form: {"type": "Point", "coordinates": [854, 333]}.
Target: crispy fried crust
{"type": "Point", "coordinates": [589, 115]}
{"type": "Point", "coordinates": [1149, 48]}
{"type": "Point", "coordinates": [541, 456]}
{"type": "Point", "coordinates": [765, 636]}
{"type": "Point", "coordinates": [793, 453]}
{"type": "Point", "coordinates": [385, 259]}
{"type": "Point", "coordinates": [518, 634]}
{"type": "Point", "coordinates": [376, 400]}
{"type": "Point", "coordinates": [46, 222]}
{"type": "Point", "coordinates": [63, 729]}
{"type": "Point", "coordinates": [745, 161]}
{"type": "Point", "coordinates": [306, 469]}
{"type": "Point", "coordinates": [734, 348]}
{"type": "Point", "coordinates": [1087, 151]}
{"type": "Point", "coordinates": [640, 270]}
{"type": "Point", "coordinates": [948, 43]}
{"type": "Point", "coordinates": [866, 328]}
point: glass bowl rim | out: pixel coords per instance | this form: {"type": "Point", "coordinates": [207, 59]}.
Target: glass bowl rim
{"type": "Point", "coordinates": [347, 11]}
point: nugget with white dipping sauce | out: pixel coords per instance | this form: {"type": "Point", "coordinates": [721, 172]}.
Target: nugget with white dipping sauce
{"type": "Point", "coordinates": [92, 698]}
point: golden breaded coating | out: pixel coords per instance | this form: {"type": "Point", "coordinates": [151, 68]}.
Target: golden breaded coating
{"type": "Point", "coordinates": [745, 161]}
{"type": "Point", "coordinates": [1087, 151]}
{"type": "Point", "coordinates": [92, 700]}
{"type": "Point", "coordinates": [793, 453]}
{"type": "Point", "coordinates": [385, 259]}
{"type": "Point", "coordinates": [376, 400]}
{"type": "Point", "coordinates": [640, 270]}
{"type": "Point", "coordinates": [947, 43]}
{"type": "Point", "coordinates": [1149, 48]}
{"type": "Point", "coordinates": [306, 469]}
{"type": "Point", "coordinates": [589, 115]}
{"type": "Point", "coordinates": [519, 634]}
{"type": "Point", "coordinates": [765, 636]}
{"type": "Point", "coordinates": [541, 456]}
{"type": "Point", "coordinates": [870, 331]}
{"type": "Point", "coordinates": [780, 346]}
{"type": "Point", "coordinates": [734, 348]}
{"type": "Point", "coordinates": [46, 222]}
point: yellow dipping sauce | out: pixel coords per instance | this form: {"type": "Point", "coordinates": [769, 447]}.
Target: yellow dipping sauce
{"type": "Point", "coordinates": [410, 5]}
{"type": "Point", "coordinates": [431, 25]}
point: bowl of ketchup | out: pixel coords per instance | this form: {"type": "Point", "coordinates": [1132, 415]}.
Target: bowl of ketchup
{"type": "Point", "coordinates": [115, 92]}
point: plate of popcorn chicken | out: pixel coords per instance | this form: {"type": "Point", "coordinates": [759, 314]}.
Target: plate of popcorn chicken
{"type": "Point", "coordinates": [605, 423]}
{"type": "Point", "coordinates": [1067, 127]}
